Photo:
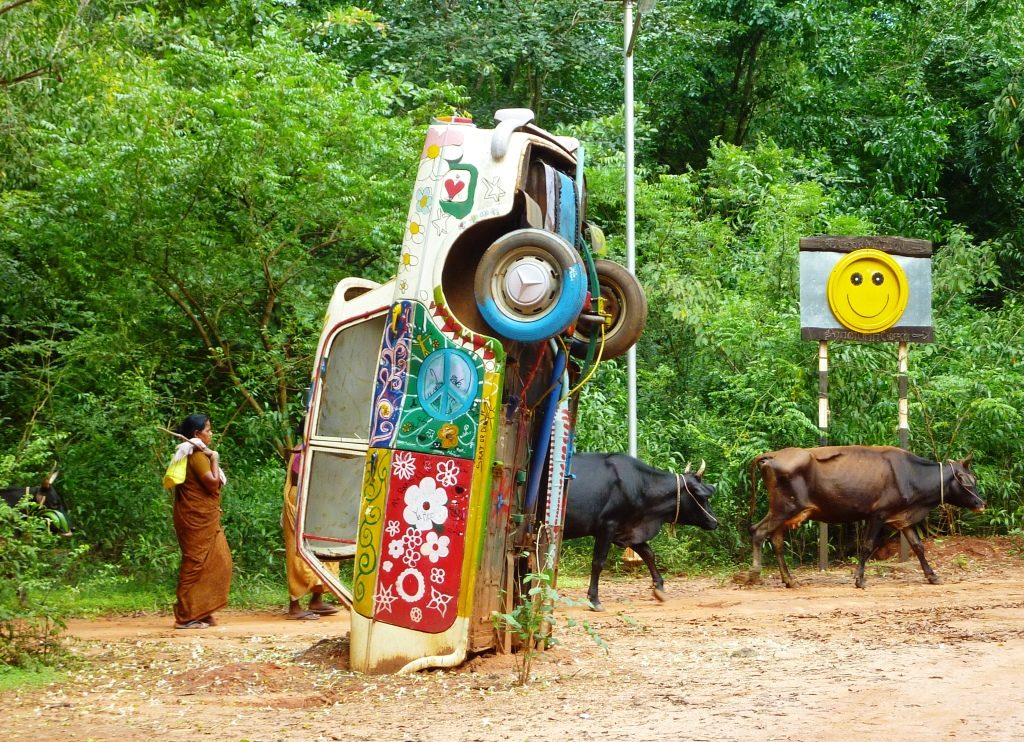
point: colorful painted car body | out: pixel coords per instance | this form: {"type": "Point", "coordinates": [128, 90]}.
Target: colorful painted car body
{"type": "Point", "coordinates": [442, 402]}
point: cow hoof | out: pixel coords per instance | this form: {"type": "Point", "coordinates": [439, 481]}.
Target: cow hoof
{"type": "Point", "coordinates": [660, 595]}
{"type": "Point", "coordinates": [596, 606]}
{"type": "Point", "coordinates": [747, 578]}
{"type": "Point", "coordinates": [935, 579]}
{"type": "Point", "coordinates": [860, 583]}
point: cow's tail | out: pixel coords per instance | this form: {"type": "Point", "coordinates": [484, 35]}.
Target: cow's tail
{"type": "Point", "coordinates": [755, 466]}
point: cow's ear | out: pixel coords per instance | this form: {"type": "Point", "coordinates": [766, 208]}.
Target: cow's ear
{"type": "Point", "coordinates": [967, 461]}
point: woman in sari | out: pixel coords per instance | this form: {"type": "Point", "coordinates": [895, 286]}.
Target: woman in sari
{"type": "Point", "coordinates": [205, 575]}
{"type": "Point", "coordinates": [302, 579]}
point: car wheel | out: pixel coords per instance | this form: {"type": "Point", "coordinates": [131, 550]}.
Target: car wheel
{"type": "Point", "coordinates": [625, 302]}
{"type": "Point", "coordinates": [530, 285]}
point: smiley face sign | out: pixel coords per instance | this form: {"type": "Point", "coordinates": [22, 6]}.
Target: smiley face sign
{"type": "Point", "coordinates": [867, 291]}
{"type": "Point", "coordinates": [865, 288]}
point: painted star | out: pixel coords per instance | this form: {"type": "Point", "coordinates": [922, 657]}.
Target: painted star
{"type": "Point", "coordinates": [493, 189]}
{"type": "Point", "coordinates": [441, 224]}
{"type": "Point", "coordinates": [384, 600]}
{"type": "Point", "coordinates": [439, 600]}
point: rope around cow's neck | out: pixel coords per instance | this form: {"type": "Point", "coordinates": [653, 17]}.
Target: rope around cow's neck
{"type": "Point", "coordinates": [674, 520]}
{"type": "Point", "coordinates": [942, 487]}
{"type": "Point", "coordinates": [692, 497]}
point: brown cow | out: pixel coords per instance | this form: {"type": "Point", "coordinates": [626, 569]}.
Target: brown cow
{"type": "Point", "coordinates": [842, 484]}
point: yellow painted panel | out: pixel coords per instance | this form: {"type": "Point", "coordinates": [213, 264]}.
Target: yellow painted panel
{"type": "Point", "coordinates": [371, 524]}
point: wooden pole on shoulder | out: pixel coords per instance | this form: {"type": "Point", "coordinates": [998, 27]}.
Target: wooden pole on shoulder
{"type": "Point", "coordinates": [823, 440]}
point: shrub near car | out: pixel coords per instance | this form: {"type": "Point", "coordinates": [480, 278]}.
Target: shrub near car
{"type": "Point", "coordinates": [442, 402]}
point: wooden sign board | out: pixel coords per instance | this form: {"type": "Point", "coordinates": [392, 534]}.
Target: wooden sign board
{"type": "Point", "coordinates": [869, 289]}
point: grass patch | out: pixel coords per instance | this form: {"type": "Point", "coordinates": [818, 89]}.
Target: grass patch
{"type": "Point", "coordinates": [14, 678]}
{"type": "Point", "coordinates": [257, 593]}
{"type": "Point", "coordinates": [106, 594]}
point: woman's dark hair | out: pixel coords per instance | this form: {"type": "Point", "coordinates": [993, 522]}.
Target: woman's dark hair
{"type": "Point", "coordinates": [193, 424]}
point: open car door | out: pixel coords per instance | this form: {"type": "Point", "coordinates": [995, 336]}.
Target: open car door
{"type": "Point", "coordinates": [337, 430]}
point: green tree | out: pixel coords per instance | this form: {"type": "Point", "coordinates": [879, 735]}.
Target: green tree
{"type": "Point", "coordinates": [557, 58]}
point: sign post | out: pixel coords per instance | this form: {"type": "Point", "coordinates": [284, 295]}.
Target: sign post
{"type": "Point", "coordinates": [865, 289]}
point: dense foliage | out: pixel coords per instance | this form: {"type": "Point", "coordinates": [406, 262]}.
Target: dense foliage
{"type": "Point", "coordinates": [182, 185]}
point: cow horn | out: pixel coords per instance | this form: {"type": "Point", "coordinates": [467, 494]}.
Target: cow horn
{"type": "Point", "coordinates": [52, 478]}
{"type": "Point", "coordinates": [700, 471]}
{"type": "Point", "coordinates": [687, 469]}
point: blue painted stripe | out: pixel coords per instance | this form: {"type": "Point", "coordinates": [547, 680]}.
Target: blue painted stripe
{"type": "Point", "coordinates": [567, 222]}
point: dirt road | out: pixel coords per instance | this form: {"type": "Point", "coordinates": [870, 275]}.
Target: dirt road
{"type": "Point", "coordinates": [825, 661]}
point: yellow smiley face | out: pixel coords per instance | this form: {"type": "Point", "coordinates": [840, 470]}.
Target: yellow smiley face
{"type": "Point", "coordinates": [867, 291]}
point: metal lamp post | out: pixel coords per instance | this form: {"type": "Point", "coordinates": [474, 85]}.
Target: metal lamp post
{"type": "Point", "coordinates": [629, 40]}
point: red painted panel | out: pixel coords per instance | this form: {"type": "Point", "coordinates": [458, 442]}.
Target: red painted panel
{"type": "Point", "coordinates": [424, 541]}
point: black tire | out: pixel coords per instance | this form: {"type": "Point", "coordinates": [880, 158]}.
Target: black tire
{"type": "Point", "coordinates": [625, 301]}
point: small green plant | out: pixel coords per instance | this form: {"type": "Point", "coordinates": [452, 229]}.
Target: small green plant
{"type": "Point", "coordinates": [33, 563]}
{"type": "Point", "coordinates": [1016, 549]}
{"type": "Point", "coordinates": [532, 621]}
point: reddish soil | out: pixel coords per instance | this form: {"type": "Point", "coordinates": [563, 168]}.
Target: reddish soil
{"type": "Point", "coordinates": [717, 661]}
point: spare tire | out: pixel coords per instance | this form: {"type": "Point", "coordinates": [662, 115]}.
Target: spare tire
{"type": "Point", "coordinates": [530, 285]}
{"type": "Point", "coordinates": [625, 302]}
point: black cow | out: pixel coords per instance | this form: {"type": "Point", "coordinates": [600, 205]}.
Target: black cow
{"type": "Point", "coordinates": [843, 484]}
{"type": "Point", "coordinates": [620, 500]}
{"type": "Point", "coordinates": [47, 501]}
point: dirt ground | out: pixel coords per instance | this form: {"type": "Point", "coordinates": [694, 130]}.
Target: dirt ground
{"type": "Point", "coordinates": [824, 661]}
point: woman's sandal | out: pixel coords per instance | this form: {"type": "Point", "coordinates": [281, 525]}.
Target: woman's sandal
{"type": "Point", "coordinates": [192, 625]}
{"type": "Point", "coordinates": [325, 610]}
{"type": "Point", "coordinates": [304, 616]}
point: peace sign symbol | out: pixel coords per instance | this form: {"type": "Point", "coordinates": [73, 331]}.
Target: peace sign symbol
{"type": "Point", "coordinates": [447, 384]}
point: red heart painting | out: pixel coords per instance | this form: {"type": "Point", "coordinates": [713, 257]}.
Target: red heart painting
{"type": "Point", "coordinates": [453, 187]}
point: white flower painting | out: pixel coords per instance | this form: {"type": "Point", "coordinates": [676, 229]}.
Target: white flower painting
{"type": "Point", "coordinates": [435, 547]}
{"type": "Point", "coordinates": [425, 505]}
{"type": "Point", "coordinates": [403, 465]}
{"type": "Point", "coordinates": [447, 473]}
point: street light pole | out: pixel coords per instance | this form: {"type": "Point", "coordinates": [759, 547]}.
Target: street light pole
{"type": "Point", "coordinates": [628, 41]}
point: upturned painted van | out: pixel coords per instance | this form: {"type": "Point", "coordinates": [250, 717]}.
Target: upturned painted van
{"type": "Point", "coordinates": [442, 405]}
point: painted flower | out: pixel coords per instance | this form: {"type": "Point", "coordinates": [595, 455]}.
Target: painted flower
{"type": "Point", "coordinates": [396, 549]}
{"type": "Point", "coordinates": [413, 538]}
{"type": "Point", "coordinates": [443, 143]}
{"type": "Point", "coordinates": [408, 261]}
{"type": "Point", "coordinates": [387, 565]}
{"type": "Point", "coordinates": [437, 575]}
{"type": "Point", "coordinates": [423, 200]}
{"type": "Point", "coordinates": [448, 434]}
{"type": "Point", "coordinates": [403, 465]}
{"type": "Point", "coordinates": [425, 505]}
{"type": "Point", "coordinates": [393, 528]}
{"type": "Point", "coordinates": [411, 558]}
{"type": "Point", "coordinates": [416, 615]}
{"type": "Point", "coordinates": [435, 547]}
{"type": "Point", "coordinates": [416, 231]}
{"type": "Point", "coordinates": [447, 473]}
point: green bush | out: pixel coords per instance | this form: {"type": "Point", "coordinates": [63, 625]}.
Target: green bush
{"type": "Point", "coordinates": [35, 564]}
